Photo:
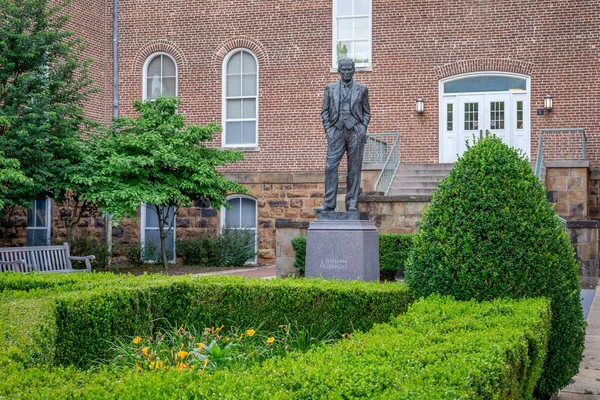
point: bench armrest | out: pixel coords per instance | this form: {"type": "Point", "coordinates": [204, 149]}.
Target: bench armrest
{"type": "Point", "coordinates": [87, 259]}
{"type": "Point", "coordinates": [21, 265]}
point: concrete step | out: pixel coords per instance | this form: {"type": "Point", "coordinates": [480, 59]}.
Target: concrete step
{"type": "Point", "coordinates": [410, 191]}
{"type": "Point", "coordinates": [424, 172]}
{"type": "Point", "coordinates": [413, 185]}
{"type": "Point", "coordinates": [419, 178]}
{"type": "Point", "coordinates": [444, 167]}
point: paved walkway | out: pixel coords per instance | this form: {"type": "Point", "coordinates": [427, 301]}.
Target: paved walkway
{"type": "Point", "coordinates": [586, 385]}
{"type": "Point", "coordinates": [266, 272]}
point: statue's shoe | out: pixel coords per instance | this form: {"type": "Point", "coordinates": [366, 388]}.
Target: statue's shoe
{"type": "Point", "coordinates": [352, 209]}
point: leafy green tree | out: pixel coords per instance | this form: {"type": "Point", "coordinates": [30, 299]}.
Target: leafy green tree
{"type": "Point", "coordinates": [157, 159]}
{"type": "Point", "coordinates": [44, 83]}
{"type": "Point", "coordinates": [489, 233]}
{"type": "Point", "coordinates": [10, 175]}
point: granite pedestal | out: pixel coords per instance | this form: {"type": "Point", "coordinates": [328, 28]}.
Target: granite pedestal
{"type": "Point", "coordinates": [342, 245]}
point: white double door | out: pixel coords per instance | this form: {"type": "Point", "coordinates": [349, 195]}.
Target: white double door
{"type": "Point", "coordinates": [465, 118]}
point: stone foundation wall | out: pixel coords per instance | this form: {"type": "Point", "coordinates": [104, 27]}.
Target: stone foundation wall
{"type": "Point", "coordinates": [567, 188]}
{"type": "Point", "coordinates": [584, 238]}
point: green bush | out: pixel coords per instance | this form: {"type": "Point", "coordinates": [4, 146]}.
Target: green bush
{"type": "Point", "coordinates": [439, 349]}
{"type": "Point", "coordinates": [104, 313]}
{"type": "Point", "coordinates": [393, 252]}
{"type": "Point", "coordinates": [299, 246]}
{"type": "Point", "coordinates": [489, 233]}
{"type": "Point", "coordinates": [132, 252]}
{"type": "Point", "coordinates": [232, 248]}
{"type": "Point", "coordinates": [90, 245]}
{"type": "Point", "coordinates": [202, 250]}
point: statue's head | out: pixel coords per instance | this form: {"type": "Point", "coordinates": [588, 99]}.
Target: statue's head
{"type": "Point", "coordinates": [346, 69]}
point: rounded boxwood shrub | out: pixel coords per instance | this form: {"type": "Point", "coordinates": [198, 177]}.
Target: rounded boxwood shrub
{"type": "Point", "coordinates": [490, 233]}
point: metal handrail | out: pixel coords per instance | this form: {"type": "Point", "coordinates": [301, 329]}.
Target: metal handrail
{"type": "Point", "coordinates": [377, 148]}
{"type": "Point", "coordinates": [388, 172]}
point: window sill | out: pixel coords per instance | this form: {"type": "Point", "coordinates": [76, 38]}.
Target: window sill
{"type": "Point", "coordinates": [246, 149]}
{"type": "Point", "coordinates": [358, 69]}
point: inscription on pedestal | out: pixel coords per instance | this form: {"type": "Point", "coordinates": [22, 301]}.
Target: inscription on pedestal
{"type": "Point", "coordinates": [334, 263]}
{"type": "Point", "coordinates": [342, 249]}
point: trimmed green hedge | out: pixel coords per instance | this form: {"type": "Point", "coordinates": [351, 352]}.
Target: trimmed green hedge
{"type": "Point", "coordinates": [87, 314]}
{"type": "Point", "coordinates": [393, 252]}
{"type": "Point", "coordinates": [440, 349]}
{"type": "Point", "coordinates": [489, 233]}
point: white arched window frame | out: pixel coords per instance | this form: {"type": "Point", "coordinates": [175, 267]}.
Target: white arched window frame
{"type": "Point", "coordinates": [243, 216]}
{"type": "Point", "coordinates": [240, 99]}
{"type": "Point", "coordinates": [475, 90]}
{"type": "Point", "coordinates": [149, 234]}
{"type": "Point", "coordinates": [165, 76]}
{"type": "Point", "coordinates": [167, 79]}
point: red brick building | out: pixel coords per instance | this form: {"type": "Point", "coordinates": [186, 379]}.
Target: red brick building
{"type": "Point", "coordinates": [259, 67]}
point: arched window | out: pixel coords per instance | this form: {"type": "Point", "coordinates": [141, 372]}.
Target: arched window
{"type": "Point", "coordinates": [240, 99]}
{"type": "Point", "coordinates": [160, 76]}
{"type": "Point", "coordinates": [241, 216]}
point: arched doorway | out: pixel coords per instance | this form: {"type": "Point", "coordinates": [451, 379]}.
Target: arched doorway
{"type": "Point", "coordinates": [472, 104]}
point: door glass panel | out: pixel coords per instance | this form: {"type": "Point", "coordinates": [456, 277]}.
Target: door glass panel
{"type": "Point", "coordinates": [471, 116]}
{"type": "Point", "coordinates": [496, 115]}
{"type": "Point", "coordinates": [485, 84]}
{"type": "Point", "coordinates": [449, 117]}
{"type": "Point", "coordinates": [519, 115]}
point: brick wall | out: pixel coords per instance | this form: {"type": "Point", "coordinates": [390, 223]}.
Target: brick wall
{"type": "Point", "coordinates": [91, 20]}
{"type": "Point", "coordinates": [414, 45]}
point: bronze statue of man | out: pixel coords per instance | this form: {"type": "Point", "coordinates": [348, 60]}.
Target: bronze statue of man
{"type": "Point", "coordinates": [345, 114]}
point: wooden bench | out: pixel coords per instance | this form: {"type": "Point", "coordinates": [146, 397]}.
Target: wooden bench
{"type": "Point", "coordinates": [54, 259]}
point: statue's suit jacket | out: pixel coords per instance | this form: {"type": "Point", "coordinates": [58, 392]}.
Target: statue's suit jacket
{"type": "Point", "coordinates": [359, 105]}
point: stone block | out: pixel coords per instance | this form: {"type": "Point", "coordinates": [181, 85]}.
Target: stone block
{"type": "Point", "coordinates": [575, 183]}
{"type": "Point", "coordinates": [576, 211]}
{"type": "Point", "coordinates": [268, 255]}
{"type": "Point", "coordinates": [414, 208]}
{"type": "Point", "coordinates": [296, 203]}
{"type": "Point", "coordinates": [554, 172]}
{"type": "Point", "coordinates": [557, 183]}
{"type": "Point", "coordinates": [284, 267]}
{"type": "Point", "coordinates": [271, 194]}
{"type": "Point", "coordinates": [292, 212]}
{"type": "Point", "coordinates": [346, 250]}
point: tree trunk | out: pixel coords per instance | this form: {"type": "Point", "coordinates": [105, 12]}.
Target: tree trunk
{"type": "Point", "coordinates": [161, 234]}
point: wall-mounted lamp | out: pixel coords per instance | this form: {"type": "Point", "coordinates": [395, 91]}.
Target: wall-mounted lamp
{"type": "Point", "coordinates": [420, 106]}
{"type": "Point", "coordinates": [548, 102]}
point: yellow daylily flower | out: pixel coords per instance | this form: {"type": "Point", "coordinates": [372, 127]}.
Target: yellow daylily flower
{"type": "Point", "coordinates": [200, 346]}
{"type": "Point", "coordinates": [182, 354]}
{"type": "Point", "coordinates": [145, 351]}
{"type": "Point", "coordinates": [250, 332]}
{"type": "Point", "coordinates": [270, 340]}
{"type": "Point", "coordinates": [137, 340]}
{"type": "Point", "coordinates": [205, 363]}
